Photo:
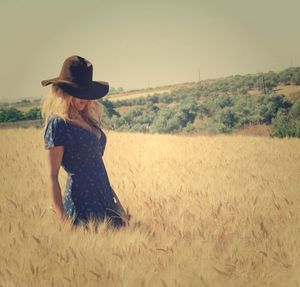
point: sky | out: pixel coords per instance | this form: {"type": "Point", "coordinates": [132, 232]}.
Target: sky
{"type": "Point", "coordinates": [138, 44]}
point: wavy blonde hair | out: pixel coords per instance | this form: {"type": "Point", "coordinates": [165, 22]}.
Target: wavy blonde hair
{"type": "Point", "coordinates": [58, 102]}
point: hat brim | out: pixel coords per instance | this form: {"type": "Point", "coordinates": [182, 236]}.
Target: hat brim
{"type": "Point", "coordinates": [95, 90]}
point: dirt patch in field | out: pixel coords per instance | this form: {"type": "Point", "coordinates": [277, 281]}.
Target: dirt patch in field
{"type": "Point", "coordinates": [254, 130]}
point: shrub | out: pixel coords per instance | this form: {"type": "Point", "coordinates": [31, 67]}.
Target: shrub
{"type": "Point", "coordinates": [285, 124]}
{"type": "Point", "coordinates": [280, 124]}
{"type": "Point", "coordinates": [32, 114]}
{"type": "Point", "coordinates": [11, 115]}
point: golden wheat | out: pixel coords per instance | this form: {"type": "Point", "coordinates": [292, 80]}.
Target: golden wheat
{"type": "Point", "coordinates": [215, 211]}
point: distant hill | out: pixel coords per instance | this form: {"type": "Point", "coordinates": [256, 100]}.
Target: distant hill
{"type": "Point", "coordinates": [286, 82]}
{"type": "Point", "coordinates": [281, 82]}
{"type": "Point", "coordinates": [269, 101]}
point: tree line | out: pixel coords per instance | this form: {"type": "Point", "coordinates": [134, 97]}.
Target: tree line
{"type": "Point", "coordinates": [216, 106]}
{"type": "Point", "coordinates": [13, 115]}
{"type": "Point", "coordinates": [219, 114]}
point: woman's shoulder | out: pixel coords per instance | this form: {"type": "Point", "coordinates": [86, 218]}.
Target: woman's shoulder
{"type": "Point", "coordinates": [56, 122]}
{"type": "Point", "coordinates": [55, 132]}
{"type": "Point", "coordinates": [56, 119]}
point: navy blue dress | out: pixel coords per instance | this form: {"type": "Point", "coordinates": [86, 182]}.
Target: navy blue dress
{"type": "Point", "coordinates": [88, 192]}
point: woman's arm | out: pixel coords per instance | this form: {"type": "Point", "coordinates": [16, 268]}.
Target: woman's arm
{"type": "Point", "coordinates": [54, 157]}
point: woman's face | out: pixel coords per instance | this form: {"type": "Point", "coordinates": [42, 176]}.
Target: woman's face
{"type": "Point", "coordinates": [79, 104]}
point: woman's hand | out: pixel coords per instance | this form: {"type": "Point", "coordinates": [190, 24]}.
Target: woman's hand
{"type": "Point", "coordinates": [124, 214]}
{"type": "Point", "coordinates": [61, 215]}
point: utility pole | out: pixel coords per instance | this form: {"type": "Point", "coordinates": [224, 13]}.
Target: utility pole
{"type": "Point", "coordinates": [199, 78]}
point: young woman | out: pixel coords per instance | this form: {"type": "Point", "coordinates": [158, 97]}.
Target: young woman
{"type": "Point", "coordinates": [74, 140]}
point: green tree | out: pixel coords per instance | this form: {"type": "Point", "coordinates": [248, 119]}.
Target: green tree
{"type": "Point", "coordinates": [228, 117]}
{"type": "Point", "coordinates": [11, 115]}
{"type": "Point", "coordinates": [109, 107]}
{"type": "Point", "coordinates": [284, 125]}
{"type": "Point", "coordinates": [32, 114]}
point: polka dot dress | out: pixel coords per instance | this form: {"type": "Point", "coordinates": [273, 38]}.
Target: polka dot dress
{"type": "Point", "coordinates": [88, 192]}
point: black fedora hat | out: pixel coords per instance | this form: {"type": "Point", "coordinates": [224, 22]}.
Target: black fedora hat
{"type": "Point", "coordinates": [76, 78]}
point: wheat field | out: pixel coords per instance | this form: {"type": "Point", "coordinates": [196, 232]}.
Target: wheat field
{"type": "Point", "coordinates": [214, 211]}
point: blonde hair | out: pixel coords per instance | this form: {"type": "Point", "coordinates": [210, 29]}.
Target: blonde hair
{"type": "Point", "coordinates": [58, 102]}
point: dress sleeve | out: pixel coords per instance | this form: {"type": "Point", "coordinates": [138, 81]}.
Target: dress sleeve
{"type": "Point", "coordinates": [55, 133]}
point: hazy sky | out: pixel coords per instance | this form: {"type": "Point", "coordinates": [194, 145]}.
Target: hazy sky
{"type": "Point", "coordinates": [136, 43]}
